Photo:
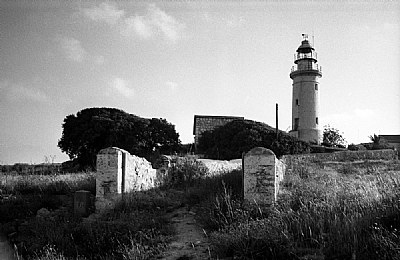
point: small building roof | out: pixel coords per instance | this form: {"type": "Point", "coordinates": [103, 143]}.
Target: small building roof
{"type": "Point", "coordinates": [213, 117]}
{"type": "Point", "coordinates": [391, 138]}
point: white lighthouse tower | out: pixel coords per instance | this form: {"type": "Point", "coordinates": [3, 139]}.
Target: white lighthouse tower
{"type": "Point", "coordinates": [305, 104]}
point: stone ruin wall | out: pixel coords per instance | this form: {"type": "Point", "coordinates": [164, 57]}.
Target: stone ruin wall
{"type": "Point", "coordinates": [119, 172]}
{"type": "Point", "coordinates": [295, 159]}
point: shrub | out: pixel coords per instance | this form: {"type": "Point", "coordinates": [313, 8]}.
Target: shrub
{"type": "Point", "coordinates": [236, 137]}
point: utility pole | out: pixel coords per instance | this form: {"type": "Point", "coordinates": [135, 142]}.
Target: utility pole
{"type": "Point", "coordinates": [276, 118]}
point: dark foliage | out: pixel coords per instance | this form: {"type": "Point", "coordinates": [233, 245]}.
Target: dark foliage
{"type": "Point", "coordinates": [232, 139]}
{"type": "Point", "coordinates": [378, 143]}
{"type": "Point", "coordinates": [93, 129]}
{"type": "Point", "coordinates": [333, 138]}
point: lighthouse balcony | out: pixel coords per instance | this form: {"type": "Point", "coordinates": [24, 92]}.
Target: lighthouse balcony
{"type": "Point", "coordinates": [311, 68]}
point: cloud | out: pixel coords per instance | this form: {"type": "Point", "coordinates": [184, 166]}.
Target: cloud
{"type": "Point", "coordinates": [138, 25]}
{"type": "Point", "coordinates": [172, 85]}
{"type": "Point", "coordinates": [17, 92]}
{"type": "Point", "coordinates": [121, 86]}
{"type": "Point", "coordinates": [106, 12]}
{"type": "Point", "coordinates": [167, 24]}
{"type": "Point", "coordinates": [72, 48]}
{"type": "Point", "coordinates": [230, 22]}
{"type": "Point", "coordinates": [153, 22]}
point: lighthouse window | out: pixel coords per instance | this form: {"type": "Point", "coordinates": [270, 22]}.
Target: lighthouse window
{"type": "Point", "coordinates": [296, 124]}
{"type": "Point", "coordinates": [316, 120]}
{"type": "Point", "coordinates": [297, 102]}
{"type": "Point", "coordinates": [316, 86]}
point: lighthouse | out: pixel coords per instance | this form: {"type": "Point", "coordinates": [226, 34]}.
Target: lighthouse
{"type": "Point", "coordinates": [305, 99]}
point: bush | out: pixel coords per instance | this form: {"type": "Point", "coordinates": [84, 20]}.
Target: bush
{"type": "Point", "coordinates": [231, 140]}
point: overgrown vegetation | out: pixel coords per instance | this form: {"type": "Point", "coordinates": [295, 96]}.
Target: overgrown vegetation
{"type": "Point", "coordinates": [335, 210]}
{"type": "Point", "coordinates": [232, 139]}
{"type": "Point", "coordinates": [342, 211]}
{"type": "Point", "coordinates": [135, 229]}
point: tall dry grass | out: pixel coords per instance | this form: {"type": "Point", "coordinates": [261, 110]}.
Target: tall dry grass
{"type": "Point", "coordinates": [349, 211]}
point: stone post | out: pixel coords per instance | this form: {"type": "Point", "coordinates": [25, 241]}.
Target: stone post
{"type": "Point", "coordinates": [82, 203]}
{"type": "Point", "coordinates": [260, 178]}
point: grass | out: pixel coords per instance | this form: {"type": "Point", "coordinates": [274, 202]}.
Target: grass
{"type": "Point", "coordinates": [50, 184]}
{"type": "Point", "coordinates": [135, 229]}
{"type": "Point", "coordinates": [325, 211]}
{"type": "Point", "coordinates": [346, 212]}
{"type": "Point", "coordinates": [21, 196]}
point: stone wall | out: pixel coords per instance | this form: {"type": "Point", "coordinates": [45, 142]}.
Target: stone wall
{"type": "Point", "coordinates": [218, 167]}
{"type": "Point", "coordinates": [209, 123]}
{"type": "Point", "coordinates": [119, 172]}
{"type": "Point", "coordinates": [262, 173]}
{"type": "Point", "coordinates": [343, 156]}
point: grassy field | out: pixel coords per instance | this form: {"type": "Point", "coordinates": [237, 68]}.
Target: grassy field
{"type": "Point", "coordinates": [325, 211]}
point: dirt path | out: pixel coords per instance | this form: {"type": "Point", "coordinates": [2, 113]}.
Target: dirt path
{"type": "Point", "coordinates": [6, 251]}
{"type": "Point", "coordinates": [190, 241]}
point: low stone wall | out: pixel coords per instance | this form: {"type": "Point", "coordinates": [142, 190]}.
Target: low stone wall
{"type": "Point", "coordinates": [216, 167]}
{"type": "Point", "coordinates": [344, 156]}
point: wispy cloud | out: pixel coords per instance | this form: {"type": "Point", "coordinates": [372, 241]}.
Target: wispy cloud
{"type": "Point", "coordinates": [15, 92]}
{"type": "Point", "coordinates": [230, 21]}
{"type": "Point", "coordinates": [72, 48]}
{"type": "Point", "coordinates": [152, 22]}
{"type": "Point", "coordinates": [164, 22]}
{"type": "Point", "coordinates": [137, 25]}
{"type": "Point", "coordinates": [107, 12]}
{"type": "Point", "coordinates": [172, 85]}
{"type": "Point", "coordinates": [122, 87]}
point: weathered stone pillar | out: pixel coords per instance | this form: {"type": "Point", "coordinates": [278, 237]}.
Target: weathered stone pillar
{"type": "Point", "coordinates": [261, 181]}
{"type": "Point", "coordinates": [109, 177]}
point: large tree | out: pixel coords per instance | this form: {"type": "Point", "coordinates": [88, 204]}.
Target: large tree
{"type": "Point", "coordinates": [232, 139]}
{"type": "Point", "coordinates": [93, 129]}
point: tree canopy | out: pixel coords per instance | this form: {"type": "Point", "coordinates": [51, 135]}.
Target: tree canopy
{"type": "Point", "coordinates": [232, 139]}
{"type": "Point", "coordinates": [93, 129]}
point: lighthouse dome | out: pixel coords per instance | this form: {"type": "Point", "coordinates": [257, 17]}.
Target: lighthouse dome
{"type": "Point", "coordinates": [305, 47]}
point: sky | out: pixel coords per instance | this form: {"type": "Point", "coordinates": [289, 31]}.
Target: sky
{"type": "Point", "coordinates": [177, 59]}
